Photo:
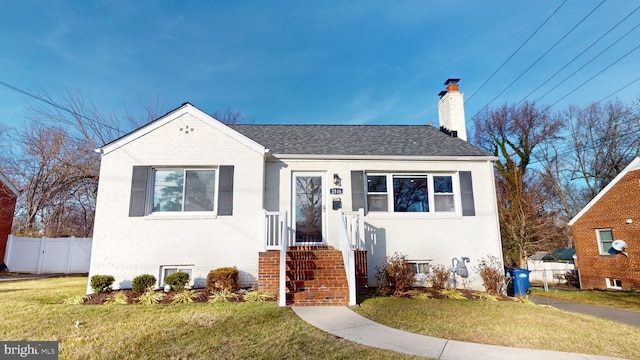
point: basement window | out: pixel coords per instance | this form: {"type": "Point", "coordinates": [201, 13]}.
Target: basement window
{"type": "Point", "coordinates": [421, 270]}
{"type": "Point", "coordinates": [614, 283]}
{"type": "Point", "coordinates": [167, 270]}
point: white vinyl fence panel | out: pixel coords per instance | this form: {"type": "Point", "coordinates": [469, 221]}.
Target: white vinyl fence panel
{"type": "Point", "coordinates": [48, 255]}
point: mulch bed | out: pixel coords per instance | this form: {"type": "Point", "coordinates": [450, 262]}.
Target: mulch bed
{"type": "Point", "coordinates": [435, 294]}
{"type": "Point", "coordinates": [101, 298]}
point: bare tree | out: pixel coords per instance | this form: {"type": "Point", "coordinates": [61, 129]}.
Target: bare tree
{"type": "Point", "coordinates": [604, 140]}
{"type": "Point", "coordinates": [53, 161]}
{"type": "Point", "coordinates": [54, 165]}
{"type": "Point", "coordinates": [514, 134]}
{"type": "Point", "coordinates": [230, 117]}
{"type": "Point", "coordinates": [58, 177]}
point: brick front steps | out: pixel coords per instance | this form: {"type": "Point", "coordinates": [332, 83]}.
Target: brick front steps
{"type": "Point", "coordinates": [315, 275]}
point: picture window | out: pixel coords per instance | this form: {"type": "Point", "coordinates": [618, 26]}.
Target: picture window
{"type": "Point", "coordinates": [184, 190]}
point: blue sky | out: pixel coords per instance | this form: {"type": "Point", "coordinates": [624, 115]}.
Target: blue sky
{"type": "Point", "coordinates": [321, 62]}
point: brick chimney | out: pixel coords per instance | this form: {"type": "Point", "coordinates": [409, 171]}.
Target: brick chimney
{"type": "Point", "coordinates": [451, 110]}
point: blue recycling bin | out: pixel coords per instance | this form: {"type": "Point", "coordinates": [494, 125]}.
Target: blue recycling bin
{"type": "Point", "coordinates": [519, 282]}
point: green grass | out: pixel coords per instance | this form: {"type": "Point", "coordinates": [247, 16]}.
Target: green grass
{"type": "Point", "coordinates": [33, 310]}
{"type": "Point", "coordinates": [617, 299]}
{"type": "Point", "coordinates": [506, 323]}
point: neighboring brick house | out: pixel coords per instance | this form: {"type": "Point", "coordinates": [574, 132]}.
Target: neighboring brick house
{"type": "Point", "coordinates": [8, 196]}
{"type": "Point", "coordinates": [614, 214]}
{"type": "Point", "coordinates": [188, 193]}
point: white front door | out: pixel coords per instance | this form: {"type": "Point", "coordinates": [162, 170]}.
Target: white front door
{"type": "Point", "coordinates": [309, 208]}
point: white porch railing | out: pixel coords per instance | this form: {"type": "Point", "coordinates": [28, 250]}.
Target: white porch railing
{"type": "Point", "coordinates": [276, 237]}
{"type": "Point", "coordinates": [351, 231]}
{"type": "Point", "coordinates": [275, 230]}
{"type": "Point", "coordinates": [354, 222]}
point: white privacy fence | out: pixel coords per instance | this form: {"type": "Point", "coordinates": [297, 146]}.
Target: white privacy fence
{"type": "Point", "coordinates": [48, 255]}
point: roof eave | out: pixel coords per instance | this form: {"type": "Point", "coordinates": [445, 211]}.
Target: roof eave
{"type": "Point", "coordinates": [9, 185]}
{"type": "Point", "coordinates": [172, 115]}
{"type": "Point", "coordinates": [382, 157]}
{"type": "Point", "coordinates": [634, 165]}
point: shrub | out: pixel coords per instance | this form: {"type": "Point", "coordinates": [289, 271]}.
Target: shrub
{"type": "Point", "coordinates": [185, 296]}
{"type": "Point", "coordinates": [101, 283]}
{"type": "Point", "coordinates": [257, 296]}
{"type": "Point", "coordinates": [177, 280]}
{"type": "Point", "coordinates": [142, 283]}
{"type": "Point", "coordinates": [396, 274]}
{"type": "Point", "coordinates": [75, 300]}
{"type": "Point", "coordinates": [420, 295]}
{"type": "Point", "coordinates": [150, 297]}
{"type": "Point", "coordinates": [223, 296]}
{"type": "Point", "coordinates": [452, 294]}
{"type": "Point", "coordinates": [492, 274]}
{"type": "Point", "coordinates": [223, 278]}
{"type": "Point", "coordinates": [486, 297]}
{"type": "Point", "coordinates": [440, 275]}
{"type": "Point", "coordinates": [118, 299]}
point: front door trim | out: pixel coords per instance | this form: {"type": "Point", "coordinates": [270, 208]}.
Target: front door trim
{"type": "Point", "coordinates": [315, 233]}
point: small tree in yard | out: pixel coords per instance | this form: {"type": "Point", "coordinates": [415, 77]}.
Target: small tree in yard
{"type": "Point", "coordinates": [396, 275]}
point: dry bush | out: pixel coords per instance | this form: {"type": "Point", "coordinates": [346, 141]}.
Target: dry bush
{"type": "Point", "coordinates": [439, 277]}
{"type": "Point", "coordinates": [492, 273]}
{"type": "Point", "coordinates": [396, 275]}
{"type": "Point", "coordinates": [223, 278]}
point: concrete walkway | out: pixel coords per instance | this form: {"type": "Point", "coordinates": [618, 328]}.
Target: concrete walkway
{"type": "Point", "coordinates": [623, 316]}
{"type": "Point", "coordinates": [343, 322]}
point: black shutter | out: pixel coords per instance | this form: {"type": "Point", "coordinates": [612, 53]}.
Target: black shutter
{"type": "Point", "coordinates": [225, 191]}
{"type": "Point", "coordinates": [466, 191]}
{"type": "Point", "coordinates": [357, 190]}
{"type": "Point", "coordinates": [138, 200]}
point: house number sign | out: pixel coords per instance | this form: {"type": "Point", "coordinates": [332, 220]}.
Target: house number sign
{"type": "Point", "coordinates": [335, 191]}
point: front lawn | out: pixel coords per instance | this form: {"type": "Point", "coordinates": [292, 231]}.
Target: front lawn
{"type": "Point", "coordinates": [32, 310]}
{"type": "Point", "coordinates": [626, 300]}
{"type": "Point", "coordinates": [506, 323]}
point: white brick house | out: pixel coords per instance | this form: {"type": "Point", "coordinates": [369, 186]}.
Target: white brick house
{"type": "Point", "coordinates": [188, 192]}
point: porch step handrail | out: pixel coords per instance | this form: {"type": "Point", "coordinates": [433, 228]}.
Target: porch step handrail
{"type": "Point", "coordinates": [275, 233]}
{"type": "Point", "coordinates": [348, 257]}
{"type": "Point", "coordinates": [354, 222]}
{"type": "Point", "coordinates": [284, 244]}
{"type": "Point", "coordinates": [275, 229]}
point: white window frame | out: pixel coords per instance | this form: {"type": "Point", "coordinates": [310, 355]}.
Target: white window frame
{"type": "Point", "coordinates": [421, 279]}
{"type": "Point", "coordinates": [613, 283]}
{"type": "Point", "coordinates": [600, 241]}
{"type": "Point", "coordinates": [185, 268]}
{"type": "Point", "coordinates": [151, 191]}
{"type": "Point", "coordinates": [455, 185]}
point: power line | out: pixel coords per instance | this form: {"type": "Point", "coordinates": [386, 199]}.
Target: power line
{"type": "Point", "coordinates": [598, 73]}
{"type": "Point", "coordinates": [543, 55]}
{"type": "Point", "coordinates": [57, 106]}
{"type": "Point", "coordinates": [617, 91]}
{"type": "Point", "coordinates": [42, 99]}
{"type": "Point", "coordinates": [581, 53]}
{"type": "Point", "coordinates": [588, 62]}
{"type": "Point", "coordinates": [515, 52]}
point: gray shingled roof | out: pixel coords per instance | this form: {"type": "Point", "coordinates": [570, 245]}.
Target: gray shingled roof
{"type": "Point", "coordinates": [398, 140]}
